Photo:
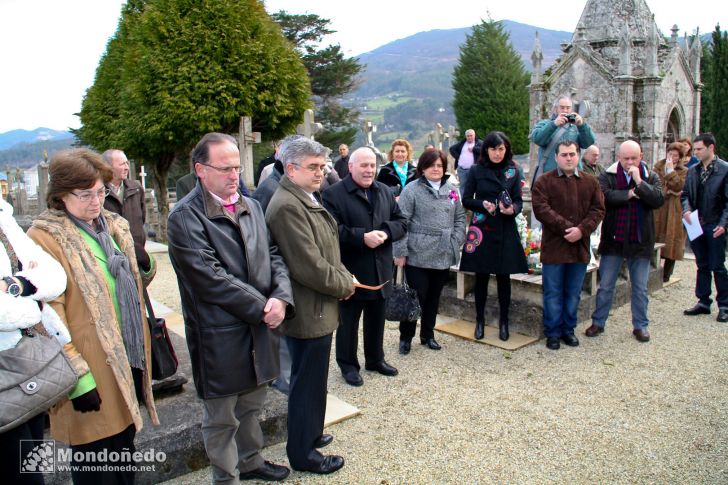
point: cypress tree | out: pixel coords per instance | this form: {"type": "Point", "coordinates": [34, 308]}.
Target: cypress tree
{"type": "Point", "coordinates": [491, 85]}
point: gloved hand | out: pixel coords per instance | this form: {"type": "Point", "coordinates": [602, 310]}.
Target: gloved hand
{"type": "Point", "coordinates": [91, 401]}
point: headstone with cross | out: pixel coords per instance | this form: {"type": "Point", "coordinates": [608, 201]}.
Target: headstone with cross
{"type": "Point", "coordinates": [369, 129]}
{"type": "Point", "coordinates": [246, 138]}
{"type": "Point", "coordinates": [309, 128]}
{"type": "Point", "coordinates": [142, 177]}
{"type": "Point", "coordinates": [452, 136]}
{"type": "Point", "coordinates": [438, 136]}
{"type": "Point", "coordinates": [42, 185]}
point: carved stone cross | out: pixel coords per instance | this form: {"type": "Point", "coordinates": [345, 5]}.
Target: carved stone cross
{"type": "Point", "coordinates": [246, 138]}
{"type": "Point", "coordinates": [438, 136]}
{"type": "Point", "coordinates": [142, 175]}
{"type": "Point", "coordinates": [309, 128]}
{"type": "Point", "coordinates": [369, 129]}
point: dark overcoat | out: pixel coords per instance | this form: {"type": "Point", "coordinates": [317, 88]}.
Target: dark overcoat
{"type": "Point", "coordinates": [492, 245]}
{"type": "Point", "coordinates": [355, 216]}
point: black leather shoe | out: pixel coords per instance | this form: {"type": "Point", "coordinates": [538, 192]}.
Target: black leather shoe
{"type": "Point", "coordinates": [353, 378]}
{"type": "Point", "coordinates": [570, 340]}
{"type": "Point", "coordinates": [479, 330]}
{"type": "Point", "coordinates": [329, 464]}
{"type": "Point", "coordinates": [697, 310]}
{"type": "Point", "coordinates": [594, 330]}
{"type": "Point", "coordinates": [641, 334]}
{"type": "Point", "coordinates": [722, 315]}
{"type": "Point", "coordinates": [323, 440]}
{"type": "Point", "coordinates": [503, 331]}
{"type": "Point", "coordinates": [553, 343]}
{"type": "Point", "coordinates": [405, 346]}
{"type": "Point", "coordinates": [383, 368]}
{"type": "Point", "coordinates": [431, 343]}
{"type": "Point", "coordinates": [270, 472]}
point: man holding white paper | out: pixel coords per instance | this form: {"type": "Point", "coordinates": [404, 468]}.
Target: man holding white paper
{"type": "Point", "coordinates": [705, 197]}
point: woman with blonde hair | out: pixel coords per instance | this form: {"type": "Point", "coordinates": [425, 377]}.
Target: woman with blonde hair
{"type": "Point", "coordinates": [672, 171]}
{"type": "Point", "coordinates": [399, 171]}
{"type": "Point", "coordinates": [103, 308]}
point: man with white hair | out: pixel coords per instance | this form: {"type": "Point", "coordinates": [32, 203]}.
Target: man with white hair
{"type": "Point", "coordinates": [126, 198]}
{"type": "Point", "coordinates": [590, 161]}
{"type": "Point", "coordinates": [631, 194]}
{"type": "Point", "coordinates": [466, 153]}
{"type": "Point", "coordinates": [369, 221]}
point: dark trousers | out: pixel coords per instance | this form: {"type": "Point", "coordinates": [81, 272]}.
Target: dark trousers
{"type": "Point", "coordinates": [481, 295]}
{"type": "Point", "coordinates": [307, 398]}
{"type": "Point", "coordinates": [11, 454]}
{"type": "Point", "coordinates": [119, 442]}
{"type": "Point", "coordinates": [710, 258]}
{"type": "Point", "coordinates": [347, 335]}
{"type": "Point", "coordinates": [428, 283]}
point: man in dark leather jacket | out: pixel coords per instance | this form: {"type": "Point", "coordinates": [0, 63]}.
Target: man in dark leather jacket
{"type": "Point", "coordinates": [235, 290]}
{"type": "Point", "coordinates": [706, 191]}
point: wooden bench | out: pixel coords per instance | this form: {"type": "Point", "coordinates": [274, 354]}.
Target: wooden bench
{"type": "Point", "coordinates": [466, 280]}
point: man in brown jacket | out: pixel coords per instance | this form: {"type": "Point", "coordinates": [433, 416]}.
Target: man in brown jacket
{"type": "Point", "coordinates": [126, 198]}
{"type": "Point", "coordinates": [570, 205]}
{"type": "Point", "coordinates": [307, 236]}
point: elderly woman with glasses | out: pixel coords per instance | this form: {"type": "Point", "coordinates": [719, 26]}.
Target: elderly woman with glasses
{"type": "Point", "coordinates": [103, 308]}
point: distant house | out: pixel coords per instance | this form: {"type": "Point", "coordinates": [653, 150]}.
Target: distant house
{"type": "Point", "coordinates": [4, 184]}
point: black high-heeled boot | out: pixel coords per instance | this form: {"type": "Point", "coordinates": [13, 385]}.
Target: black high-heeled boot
{"type": "Point", "coordinates": [479, 329]}
{"type": "Point", "coordinates": [503, 330]}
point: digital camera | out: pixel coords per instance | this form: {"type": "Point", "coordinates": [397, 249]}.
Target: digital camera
{"type": "Point", "coordinates": [505, 199]}
{"type": "Point", "coordinates": [571, 118]}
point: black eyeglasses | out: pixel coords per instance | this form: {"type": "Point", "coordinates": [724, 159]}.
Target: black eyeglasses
{"type": "Point", "coordinates": [87, 195]}
{"type": "Point", "coordinates": [225, 170]}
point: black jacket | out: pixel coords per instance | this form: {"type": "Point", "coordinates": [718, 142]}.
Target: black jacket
{"type": "Point", "coordinates": [227, 268]}
{"type": "Point", "coordinates": [342, 166]}
{"type": "Point", "coordinates": [458, 147]}
{"type": "Point", "coordinates": [492, 245]}
{"type": "Point", "coordinates": [650, 196]}
{"type": "Point", "coordinates": [713, 205]}
{"type": "Point", "coordinates": [264, 192]}
{"type": "Point", "coordinates": [388, 176]}
{"type": "Point", "coordinates": [261, 165]}
{"type": "Point", "coordinates": [355, 216]}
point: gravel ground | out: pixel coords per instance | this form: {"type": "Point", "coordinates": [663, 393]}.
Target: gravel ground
{"type": "Point", "coordinates": [609, 411]}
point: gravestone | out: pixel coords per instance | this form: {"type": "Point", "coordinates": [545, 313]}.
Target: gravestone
{"type": "Point", "coordinates": [309, 127]}
{"type": "Point", "coordinates": [246, 138]}
{"type": "Point", "coordinates": [369, 129]}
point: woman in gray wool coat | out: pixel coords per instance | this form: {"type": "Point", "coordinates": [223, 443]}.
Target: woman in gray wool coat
{"type": "Point", "coordinates": [435, 232]}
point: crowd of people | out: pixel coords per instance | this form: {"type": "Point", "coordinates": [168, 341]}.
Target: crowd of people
{"type": "Point", "coordinates": [267, 280]}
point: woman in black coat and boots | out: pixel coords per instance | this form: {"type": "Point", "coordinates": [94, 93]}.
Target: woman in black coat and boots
{"type": "Point", "coordinates": [492, 246]}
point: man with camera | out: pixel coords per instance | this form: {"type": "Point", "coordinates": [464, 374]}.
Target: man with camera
{"type": "Point", "coordinates": [564, 124]}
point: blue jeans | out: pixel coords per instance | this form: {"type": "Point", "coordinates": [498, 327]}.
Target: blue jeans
{"type": "Point", "coordinates": [561, 294]}
{"type": "Point", "coordinates": [462, 176]}
{"type": "Point", "coordinates": [710, 258]}
{"type": "Point", "coordinates": [639, 271]}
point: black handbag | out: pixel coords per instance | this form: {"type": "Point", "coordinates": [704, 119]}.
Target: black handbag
{"type": "Point", "coordinates": [164, 359]}
{"type": "Point", "coordinates": [403, 304]}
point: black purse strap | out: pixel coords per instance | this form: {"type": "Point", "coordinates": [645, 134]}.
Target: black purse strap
{"type": "Point", "coordinates": [151, 319]}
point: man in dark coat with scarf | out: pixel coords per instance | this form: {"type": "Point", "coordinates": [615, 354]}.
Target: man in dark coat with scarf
{"type": "Point", "coordinates": [369, 221]}
{"type": "Point", "coordinates": [631, 193]}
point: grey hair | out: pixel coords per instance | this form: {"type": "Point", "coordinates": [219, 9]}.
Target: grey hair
{"type": "Point", "coordinates": [556, 103]}
{"type": "Point", "coordinates": [469, 130]}
{"type": "Point", "coordinates": [108, 155]}
{"type": "Point", "coordinates": [201, 152]}
{"type": "Point", "coordinates": [295, 148]}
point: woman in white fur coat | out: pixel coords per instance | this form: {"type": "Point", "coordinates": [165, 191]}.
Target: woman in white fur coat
{"type": "Point", "coordinates": [28, 275]}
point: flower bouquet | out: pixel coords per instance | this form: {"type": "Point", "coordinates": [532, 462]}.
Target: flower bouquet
{"type": "Point", "coordinates": [531, 242]}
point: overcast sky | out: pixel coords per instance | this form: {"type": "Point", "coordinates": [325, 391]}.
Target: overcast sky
{"type": "Point", "coordinates": [49, 49]}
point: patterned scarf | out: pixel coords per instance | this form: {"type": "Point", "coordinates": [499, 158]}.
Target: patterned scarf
{"type": "Point", "coordinates": [706, 172]}
{"type": "Point", "coordinates": [631, 214]}
{"type": "Point", "coordinates": [126, 290]}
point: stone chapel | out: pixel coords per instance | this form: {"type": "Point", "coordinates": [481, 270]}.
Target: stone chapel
{"type": "Point", "coordinates": [637, 82]}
